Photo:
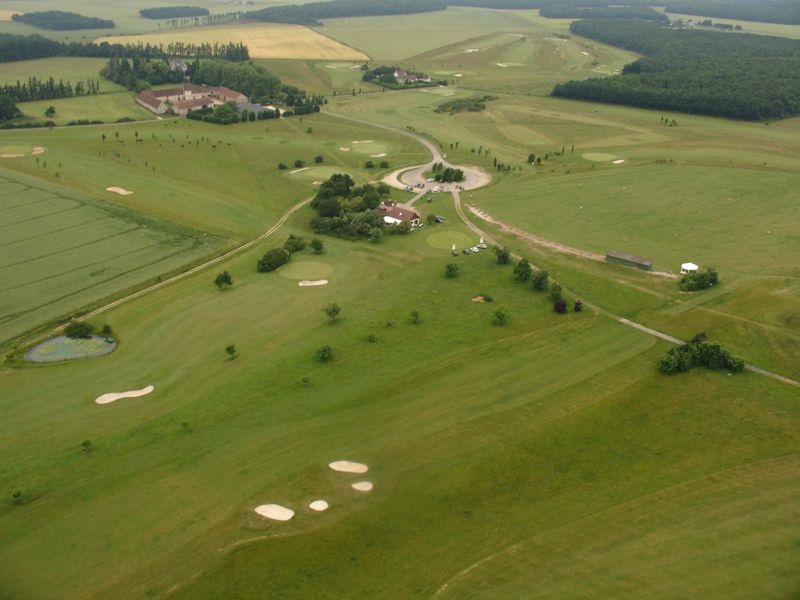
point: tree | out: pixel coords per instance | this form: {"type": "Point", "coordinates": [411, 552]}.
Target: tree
{"type": "Point", "coordinates": [578, 306]}
{"type": "Point", "coordinates": [50, 112]}
{"type": "Point", "coordinates": [282, 166]}
{"type": "Point", "coordinates": [415, 318]}
{"type": "Point", "coordinates": [87, 446]}
{"type": "Point", "coordinates": [223, 280]}
{"type": "Point", "coordinates": [372, 337]}
{"type": "Point", "coordinates": [299, 164]}
{"type": "Point", "coordinates": [523, 270]}
{"type": "Point", "coordinates": [332, 310]}
{"type": "Point", "coordinates": [78, 329]}
{"type": "Point", "coordinates": [231, 351]}
{"type": "Point", "coordinates": [319, 159]}
{"type": "Point", "coordinates": [451, 270]}
{"type": "Point", "coordinates": [277, 257]}
{"type": "Point", "coordinates": [503, 255]}
{"type": "Point", "coordinates": [539, 280]}
{"type": "Point", "coordinates": [324, 354]}
{"type": "Point", "coordinates": [500, 317]}
{"type": "Point", "coordinates": [560, 306]}
{"type": "Point", "coordinates": [294, 243]}
{"type": "Point", "coordinates": [369, 165]}
{"type": "Point", "coordinates": [317, 247]}
{"type": "Point", "coordinates": [8, 109]}
{"type": "Point", "coordinates": [555, 291]}
{"type": "Point", "coordinates": [384, 164]}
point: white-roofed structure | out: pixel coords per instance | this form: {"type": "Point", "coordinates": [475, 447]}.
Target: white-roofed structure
{"type": "Point", "coordinates": [689, 268]}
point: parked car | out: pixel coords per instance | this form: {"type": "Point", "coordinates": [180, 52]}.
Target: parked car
{"type": "Point", "coordinates": [439, 218]}
{"type": "Point", "coordinates": [467, 251]}
{"type": "Point", "coordinates": [475, 249]}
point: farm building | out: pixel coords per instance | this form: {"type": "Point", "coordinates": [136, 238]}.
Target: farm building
{"type": "Point", "coordinates": [629, 260]}
{"type": "Point", "coordinates": [394, 214]}
{"type": "Point", "coordinates": [404, 77]}
{"type": "Point", "coordinates": [187, 98]}
{"type": "Point", "coordinates": [689, 268]}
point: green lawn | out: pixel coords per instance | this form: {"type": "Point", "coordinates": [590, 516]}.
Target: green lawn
{"type": "Point", "coordinates": [319, 77]}
{"type": "Point", "coordinates": [107, 107]}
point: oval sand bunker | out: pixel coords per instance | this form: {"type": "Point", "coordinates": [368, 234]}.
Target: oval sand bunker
{"type": "Point", "coordinates": [313, 283]}
{"type": "Point", "coordinates": [276, 512]}
{"type": "Point", "coordinates": [346, 466]}
{"type": "Point", "coordinates": [318, 505]}
{"type": "Point", "coordinates": [114, 396]}
{"type": "Point", "coordinates": [362, 486]}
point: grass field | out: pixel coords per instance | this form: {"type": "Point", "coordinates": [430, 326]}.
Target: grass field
{"type": "Point", "coordinates": [778, 29]}
{"type": "Point", "coordinates": [263, 41]}
{"type": "Point", "coordinates": [319, 77]}
{"type": "Point", "coordinates": [65, 68]}
{"type": "Point", "coordinates": [61, 251]}
{"type": "Point", "coordinates": [101, 107]}
{"type": "Point", "coordinates": [546, 457]}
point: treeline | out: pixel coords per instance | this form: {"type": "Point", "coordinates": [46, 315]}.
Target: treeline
{"type": "Point", "coordinates": [253, 81]}
{"type": "Point", "coordinates": [29, 47]}
{"type": "Point", "coordinates": [575, 11]}
{"type": "Point", "coordinates": [48, 89]}
{"type": "Point", "coordinates": [698, 352]}
{"type": "Point", "coordinates": [472, 104]}
{"type": "Point", "coordinates": [347, 211]}
{"type": "Point", "coordinates": [173, 12]}
{"type": "Point", "coordinates": [140, 73]}
{"type": "Point", "coordinates": [310, 14]}
{"type": "Point", "coordinates": [742, 76]}
{"type": "Point", "coordinates": [59, 20]}
{"type": "Point", "coordinates": [768, 11]}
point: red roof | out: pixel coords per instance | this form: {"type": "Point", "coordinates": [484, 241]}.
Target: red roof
{"type": "Point", "coordinates": [197, 102]}
{"type": "Point", "coordinates": [398, 212]}
{"type": "Point", "coordinates": [149, 99]}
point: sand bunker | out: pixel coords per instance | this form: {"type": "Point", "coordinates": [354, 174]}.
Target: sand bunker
{"type": "Point", "coordinates": [119, 190]}
{"type": "Point", "coordinates": [114, 396]}
{"type": "Point", "coordinates": [312, 282]}
{"type": "Point", "coordinates": [618, 162]}
{"type": "Point", "coordinates": [363, 142]}
{"type": "Point", "coordinates": [276, 512]}
{"type": "Point", "coordinates": [318, 505]}
{"type": "Point", "coordinates": [37, 150]}
{"type": "Point", "coordinates": [331, 67]}
{"type": "Point", "coordinates": [382, 154]}
{"type": "Point", "coordinates": [346, 466]}
{"type": "Point", "coordinates": [362, 486]}
{"type": "Point", "coordinates": [299, 170]}
{"type": "Point", "coordinates": [458, 75]}
{"type": "Point", "coordinates": [11, 155]}
{"type": "Point", "coordinates": [502, 65]}
{"type": "Point", "coordinates": [585, 53]}
{"type": "Point", "coordinates": [471, 50]}
{"type": "Point", "coordinates": [479, 299]}
{"type": "Point", "coordinates": [344, 149]}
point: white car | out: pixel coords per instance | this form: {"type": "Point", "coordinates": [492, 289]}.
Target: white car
{"type": "Point", "coordinates": [475, 249]}
{"type": "Point", "coordinates": [435, 188]}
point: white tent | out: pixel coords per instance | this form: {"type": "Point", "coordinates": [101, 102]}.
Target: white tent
{"type": "Point", "coordinates": [688, 268]}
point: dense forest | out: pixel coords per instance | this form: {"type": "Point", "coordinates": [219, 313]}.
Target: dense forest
{"type": "Point", "coordinates": [59, 20]}
{"type": "Point", "coordinates": [740, 76]}
{"type": "Point", "coordinates": [347, 211]}
{"type": "Point", "coordinates": [48, 89]}
{"type": "Point", "coordinates": [574, 11]}
{"type": "Point", "coordinates": [173, 12]}
{"type": "Point", "coordinates": [253, 81]}
{"type": "Point", "coordinates": [769, 11]}
{"type": "Point", "coordinates": [140, 73]}
{"type": "Point", "coordinates": [28, 47]}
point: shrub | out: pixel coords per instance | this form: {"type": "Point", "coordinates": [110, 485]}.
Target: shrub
{"type": "Point", "coordinates": [299, 164]}
{"type": "Point", "coordinates": [560, 306]}
{"type": "Point", "coordinates": [369, 165]}
{"type": "Point", "coordinates": [555, 291]}
{"type": "Point", "coordinates": [295, 243]}
{"type": "Point", "coordinates": [384, 164]}
{"type": "Point", "coordinates": [539, 280]}
{"type": "Point", "coordinates": [503, 255]}
{"type": "Point", "coordinates": [282, 166]}
{"type": "Point", "coordinates": [451, 270]}
{"type": "Point", "coordinates": [78, 329]}
{"type": "Point", "coordinates": [523, 270]}
{"type": "Point", "coordinates": [578, 306]}
{"type": "Point", "coordinates": [318, 159]}
{"type": "Point", "coordinates": [324, 354]}
{"type": "Point", "coordinates": [317, 247]}
{"type": "Point", "coordinates": [500, 317]}
{"type": "Point", "coordinates": [277, 257]}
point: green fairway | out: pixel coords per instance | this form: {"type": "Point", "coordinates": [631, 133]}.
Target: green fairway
{"type": "Point", "coordinates": [318, 76]}
{"type": "Point", "coordinates": [102, 107]}
{"type": "Point", "coordinates": [61, 251]}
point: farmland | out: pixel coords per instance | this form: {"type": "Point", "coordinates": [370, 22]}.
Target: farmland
{"type": "Point", "coordinates": [539, 455]}
{"type": "Point", "coordinates": [263, 41]}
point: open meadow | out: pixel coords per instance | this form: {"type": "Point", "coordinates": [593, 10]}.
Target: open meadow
{"type": "Point", "coordinates": [508, 451]}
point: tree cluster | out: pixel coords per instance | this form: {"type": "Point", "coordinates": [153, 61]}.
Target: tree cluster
{"type": "Point", "coordinates": [698, 352]}
{"type": "Point", "coordinates": [446, 174]}
{"type": "Point", "coordinates": [769, 11]}
{"type": "Point", "coordinates": [277, 257]}
{"type": "Point", "coordinates": [8, 109]}
{"type": "Point", "coordinates": [140, 73]}
{"type": "Point", "coordinates": [173, 12]}
{"type": "Point", "coordinates": [699, 280]}
{"type": "Point", "coordinates": [48, 89]}
{"type": "Point", "coordinates": [59, 20]}
{"type": "Point", "coordinates": [311, 13]}
{"type": "Point", "coordinates": [472, 104]}
{"type": "Point", "coordinates": [255, 82]}
{"type": "Point", "coordinates": [743, 76]}
{"type": "Point", "coordinates": [384, 76]}
{"type": "Point", "coordinates": [577, 11]}
{"type": "Point", "coordinates": [347, 211]}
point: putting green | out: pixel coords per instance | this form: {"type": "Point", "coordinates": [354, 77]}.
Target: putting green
{"type": "Point", "coordinates": [370, 147]}
{"type": "Point", "coordinates": [599, 156]}
{"type": "Point", "coordinates": [317, 173]}
{"type": "Point", "coordinates": [446, 239]}
{"type": "Point", "coordinates": [305, 269]}
{"type": "Point", "coordinates": [15, 149]}
{"type": "Point", "coordinates": [64, 348]}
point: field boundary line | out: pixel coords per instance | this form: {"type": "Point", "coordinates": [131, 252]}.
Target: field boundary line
{"type": "Point", "coordinates": [247, 245]}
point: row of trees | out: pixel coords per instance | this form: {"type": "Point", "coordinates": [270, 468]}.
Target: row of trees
{"type": "Point", "coordinates": [347, 211]}
{"type": "Point", "coordinates": [741, 76]}
{"type": "Point", "coordinates": [29, 47]}
{"type": "Point", "coordinates": [576, 11]}
{"type": "Point", "coordinates": [59, 20]}
{"type": "Point", "coordinates": [48, 89]}
{"type": "Point", "coordinates": [698, 352]}
{"type": "Point", "coordinates": [140, 73]}
{"type": "Point", "coordinates": [311, 13]}
{"type": "Point", "coordinates": [173, 12]}
{"type": "Point", "coordinates": [472, 104]}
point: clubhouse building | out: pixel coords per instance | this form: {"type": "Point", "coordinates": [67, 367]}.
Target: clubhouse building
{"type": "Point", "coordinates": [187, 98]}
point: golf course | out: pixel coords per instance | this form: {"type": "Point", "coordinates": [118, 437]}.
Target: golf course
{"type": "Point", "coordinates": [394, 411]}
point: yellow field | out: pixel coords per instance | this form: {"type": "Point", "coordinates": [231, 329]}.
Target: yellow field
{"type": "Point", "coordinates": [5, 15]}
{"type": "Point", "coordinates": [264, 41]}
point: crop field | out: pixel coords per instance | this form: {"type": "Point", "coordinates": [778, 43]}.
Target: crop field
{"type": "Point", "coordinates": [515, 452]}
{"type": "Point", "coordinates": [778, 29]}
{"type": "Point", "coordinates": [61, 251]}
{"type": "Point", "coordinates": [263, 41]}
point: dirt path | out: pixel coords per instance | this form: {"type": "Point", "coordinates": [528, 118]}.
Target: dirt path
{"type": "Point", "coordinates": [550, 244]}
